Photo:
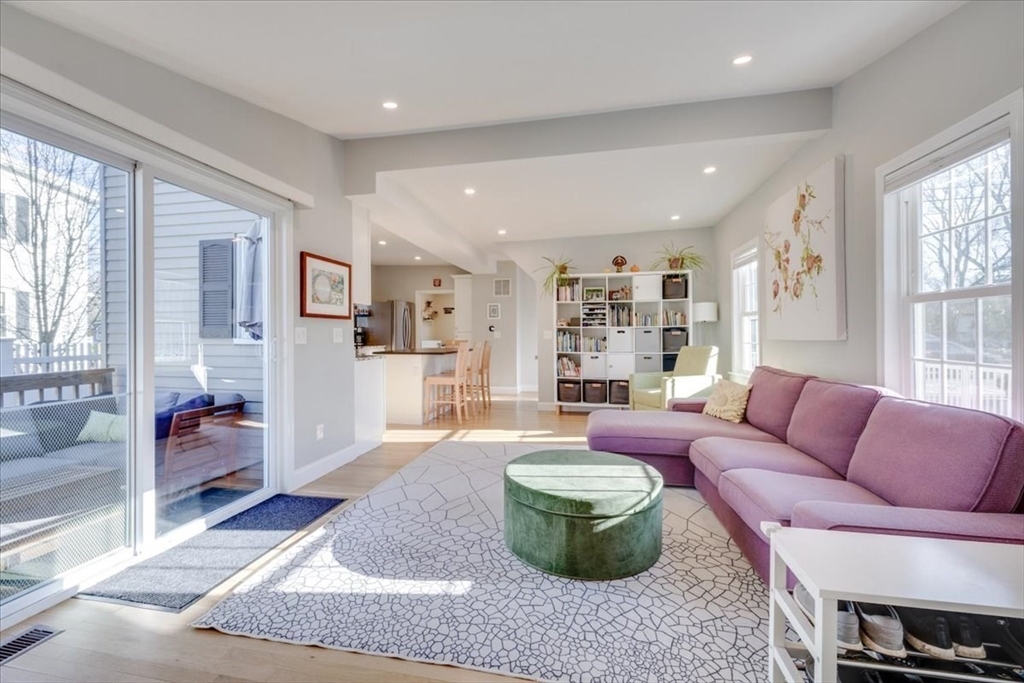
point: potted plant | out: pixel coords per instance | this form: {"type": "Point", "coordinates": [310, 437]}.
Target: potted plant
{"type": "Point", "coordinates": [558, 275]}
{"type": "Point", "coordinates": [679, 259]}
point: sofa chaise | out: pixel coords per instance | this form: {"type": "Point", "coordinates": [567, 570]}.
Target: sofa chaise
{"type": "Point", "coordinates": [829, 455]}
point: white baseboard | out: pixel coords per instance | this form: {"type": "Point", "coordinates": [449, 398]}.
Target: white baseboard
{"type": "Point", "coordinates": [505, 391]}
{"type": "Point", "coordinates": [304, 475]}
{"type": "Point", "coordinates": [546, 407]}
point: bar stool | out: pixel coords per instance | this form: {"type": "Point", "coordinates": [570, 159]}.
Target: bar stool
{"type": "Point", "coordinates": [448, 388]}
{"type": "Point", "coordinates": [484, 375]}
{"type": "Point", "coordinates": [476, 393]}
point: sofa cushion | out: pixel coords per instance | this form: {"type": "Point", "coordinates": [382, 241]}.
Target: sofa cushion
{"type": "Point", "coordinates": [773, 395]}
{"type": "Point", "coordinates": [759, 495]}
{"type": "Point", "coordinates": [165, 400]}
{"type": "Point", "coordinates": [660, 432]}
{"type": "Point", "coordinates": [925, 455]}
{"type": "Point", "coordinates": [59, 423]}
{"type": "Point", "coordinates": [728, 401]}
{"type": "Point", "coordinates": [92, 454]}
{"type": "Point", "coordinates": [164, 418]}
{"type": "Point", "coordinates": [715, 455]}
{"type": "Point", "coordinates": [18, 436]}
{"type": "Point", "coordinates": [828, 419]}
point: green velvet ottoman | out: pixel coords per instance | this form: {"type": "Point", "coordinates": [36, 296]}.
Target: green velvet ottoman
{"type": "Point", "coordinates": [583, 514]}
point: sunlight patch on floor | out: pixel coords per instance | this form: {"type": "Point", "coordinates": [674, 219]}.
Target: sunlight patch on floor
{"type": "Point", "coordinates": [512, 436]}
{"type": "Point", "coordinates": [415, 435]}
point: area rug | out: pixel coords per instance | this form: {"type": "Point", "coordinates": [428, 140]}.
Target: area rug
{"type": "Point", "coordinates": [417, 569]}
{"type": "Point", "coordinates": [179, 576]}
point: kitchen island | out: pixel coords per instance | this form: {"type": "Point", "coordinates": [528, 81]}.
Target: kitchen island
{"type": "Point", "coordinates": [404, 372]}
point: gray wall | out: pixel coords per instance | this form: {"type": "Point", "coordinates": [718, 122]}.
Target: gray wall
{"type": "Point", "coordinates": [504, 348]}
{"type": "Point", "coordinates": [401, 282]}
{"type": "Point", "coordinates": [273, 144]}
{"type": "Point", "coordinates": [958, 66]}
{"type": "Point", "coordinates": [593, 255]}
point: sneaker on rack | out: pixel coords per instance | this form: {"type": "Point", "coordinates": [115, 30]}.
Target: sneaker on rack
{"type": "Point", "coordinates": [847, 623]}
{"type": "Point", "coordinates": [880, 629]}
{"type": "Point", "coordinates": [1008, 634]}
{"type": "Point", "coordinates": [927, 631]}
{"type": "Point", "coordinates": [966, 636]}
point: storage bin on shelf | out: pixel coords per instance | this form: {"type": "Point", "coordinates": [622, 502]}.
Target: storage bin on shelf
{"type": "Point", "coordinates": [618, 392]}
{"type": "Point", "coordinates": [595, 392]}
{"type": "Point", "coordinates": [569, 391]}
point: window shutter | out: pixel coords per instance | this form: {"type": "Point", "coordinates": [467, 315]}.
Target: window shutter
{"type": "Point", "coordinates": [21, 218]}
{"type": "Point", "coordinates": [3, 215]}
{"type": "Point", "coordinates": [21, 315]}
{"type": "Point", "coordinates": [216, 289]}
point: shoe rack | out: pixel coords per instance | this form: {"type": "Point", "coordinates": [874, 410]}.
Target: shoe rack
{"type": "Point", "coordinates": [953, 576]}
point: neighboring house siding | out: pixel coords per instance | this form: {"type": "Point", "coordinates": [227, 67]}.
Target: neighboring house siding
{"type": "Point", "coordinates": [115, 281]}
{"type": "Point", "coordinates": [184, 360]}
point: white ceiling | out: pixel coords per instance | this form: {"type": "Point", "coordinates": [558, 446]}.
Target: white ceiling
{"type": "Point", "coordinates": [452, 64]}
{"type": "Point", "coordinates": [397, 251]}
{"type": "Point", "coordinates": [627, 191]}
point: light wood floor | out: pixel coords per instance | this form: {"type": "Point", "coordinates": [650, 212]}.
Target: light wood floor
{"type": "Point", "coordinates": [107, 642]}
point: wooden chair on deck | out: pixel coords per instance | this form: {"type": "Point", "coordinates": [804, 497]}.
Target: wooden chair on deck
{"type": "Point", "coordinates": [448, 388]}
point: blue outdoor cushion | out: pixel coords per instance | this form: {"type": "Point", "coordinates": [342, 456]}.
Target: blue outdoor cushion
{"type": "Point", "coordinates": [164, 418]}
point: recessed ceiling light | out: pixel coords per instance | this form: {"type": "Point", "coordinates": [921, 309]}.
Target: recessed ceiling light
{"type": "Point", "coordinates": [391, 105]}
{"type": "Point", "coordinates": [382, 243]}
{"type": "Point", "coordinates": [502, 232]}
{"type": "Point", "coordinates": [709, 170]}
{"type": "Point", "coordinates": [417, 257]}
{"type": "Point", "coordinates": [470, 191]}
{"type": "Point", "coordinates": [675, 218]}
{"type": "Point", "coordinates": [742, 59]}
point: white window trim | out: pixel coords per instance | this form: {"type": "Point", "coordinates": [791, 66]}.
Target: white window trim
{"type": "Point", "coordinates": [740, 254]}
{"type": "Point", "coordinates": [893, 332]}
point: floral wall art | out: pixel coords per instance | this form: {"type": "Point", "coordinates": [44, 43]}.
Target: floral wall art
{"type": "Point", "coordinates": [805, 273]}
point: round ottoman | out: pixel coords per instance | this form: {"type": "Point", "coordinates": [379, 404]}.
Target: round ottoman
{"type": "Point", "coordinates": [583, 514]}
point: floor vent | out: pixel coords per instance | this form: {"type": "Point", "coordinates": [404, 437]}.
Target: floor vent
{"type": "Point", "coordinates": [25, 641]}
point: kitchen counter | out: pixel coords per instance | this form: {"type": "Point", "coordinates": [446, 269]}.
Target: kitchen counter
{"type": "Point", "coordinates": [403, 378]}
{"type": "Point", "coordinates": [420, 352]}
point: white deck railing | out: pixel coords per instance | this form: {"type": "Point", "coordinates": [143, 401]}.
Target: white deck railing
{"type": "Point", "coordinates": [962, 385]}
{"type": "Point", "coordinates": [30, 358]}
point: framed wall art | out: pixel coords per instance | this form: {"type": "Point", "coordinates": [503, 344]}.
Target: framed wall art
{"type": "Point", "coordinates": [494, 311]}
{"type": "Point", "coordinates": [326, 287]}
{"type": "Point", "coordinates": [805, 264]}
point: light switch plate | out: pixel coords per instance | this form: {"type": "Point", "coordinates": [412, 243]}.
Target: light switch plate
{"type": "Point", "coordinates": [547, 334]}
{"type": "Point", "coordinates": [300, 335]}
{"type": "Point", "coordinates": [497, 334]}
{"type": "Point", "coordinates": [339, 335]}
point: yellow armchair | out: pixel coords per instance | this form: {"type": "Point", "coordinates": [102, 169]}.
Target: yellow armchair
{"type": "Point", "coordinates": [694, 375]}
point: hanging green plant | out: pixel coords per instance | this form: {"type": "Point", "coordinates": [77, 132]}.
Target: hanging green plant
{"type": "Point", "coordinates": [679, 259]}
{"type": "Point", "coordinates": [558, 275]}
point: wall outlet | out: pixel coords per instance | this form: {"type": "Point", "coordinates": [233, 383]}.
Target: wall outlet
{"type": "Point", "coordinates": [339, 335]}
{"type": "Point", "coordinates": [319, 432]}
{"type": "Point", "coordinates": [497, 334]}
{"type": "Point", "coordinates": [300, 335]}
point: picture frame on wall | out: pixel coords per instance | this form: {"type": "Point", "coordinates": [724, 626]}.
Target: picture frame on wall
{"type": "Point", "coordinates": [326, 287]}
{"type": "Point", "coordinates": [494, 311]}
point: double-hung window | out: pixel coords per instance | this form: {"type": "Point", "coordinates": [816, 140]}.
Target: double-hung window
{"type": "Point", "coordinates": [958, 330]}
{"type": "Point", "coordinates": [746, 345]}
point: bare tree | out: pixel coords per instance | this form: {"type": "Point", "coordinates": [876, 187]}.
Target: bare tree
{"type": "Point", "coordinates": [53, 251]}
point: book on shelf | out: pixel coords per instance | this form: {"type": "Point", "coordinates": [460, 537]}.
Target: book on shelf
{"type": "Point", "coordinates": [673, 318]}
{"type": "Point", "coordinates": [621, 315]}
{"type": "Point", "coordinates": [568, 342]}
{"type": "Point", "coordinates": [570, 292]}
{"type": "Point", "coordinates": [567, 367]}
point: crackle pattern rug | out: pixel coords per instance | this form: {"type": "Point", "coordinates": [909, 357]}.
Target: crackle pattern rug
{"type": "Point", "coordinates": [417, 569]}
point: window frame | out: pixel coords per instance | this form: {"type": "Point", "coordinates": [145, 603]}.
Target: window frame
{"type": "Point", "coordinates": [745, 255]}
{"type": "Point", "coordinates": [896, 290]}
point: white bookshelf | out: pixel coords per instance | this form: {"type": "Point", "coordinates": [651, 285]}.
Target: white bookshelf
{"type": "Point", "coordinates": [610, 325]}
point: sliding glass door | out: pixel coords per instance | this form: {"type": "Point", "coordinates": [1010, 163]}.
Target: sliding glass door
{"type": "Point", "coordinates": [135, 385]}
{"type": "Point", "coordinates": [65, 346]}
{"type": "Point", "coordinates": [208, 308]}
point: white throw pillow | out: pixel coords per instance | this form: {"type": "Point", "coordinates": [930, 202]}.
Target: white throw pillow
{"type": "Point", "coordinates": [728, 401]}
{"type": "Point", "coordinates": [104, 428]}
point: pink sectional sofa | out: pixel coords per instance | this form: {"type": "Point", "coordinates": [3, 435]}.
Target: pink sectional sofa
{"type": "Point", "coordinates": [828, 455]}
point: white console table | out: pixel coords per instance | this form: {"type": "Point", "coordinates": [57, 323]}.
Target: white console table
{"type": "Point", "coordinates": [938, 574]}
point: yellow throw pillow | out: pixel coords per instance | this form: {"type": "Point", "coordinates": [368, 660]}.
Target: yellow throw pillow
{"type": "Point", "coordinates": [728, 401]}
{"type": "Point", "coordinates": [104, 428]}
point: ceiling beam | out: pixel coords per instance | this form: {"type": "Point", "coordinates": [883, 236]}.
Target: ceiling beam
{"type": "Point", "coordinates": [805, 111]}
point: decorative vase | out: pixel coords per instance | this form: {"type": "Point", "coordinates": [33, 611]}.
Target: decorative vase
{"type": "Point", "coordinates": [675, 264]}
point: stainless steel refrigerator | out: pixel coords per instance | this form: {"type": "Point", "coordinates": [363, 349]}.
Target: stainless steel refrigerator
{"type": "Point", "coordinates": [391, 325]}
